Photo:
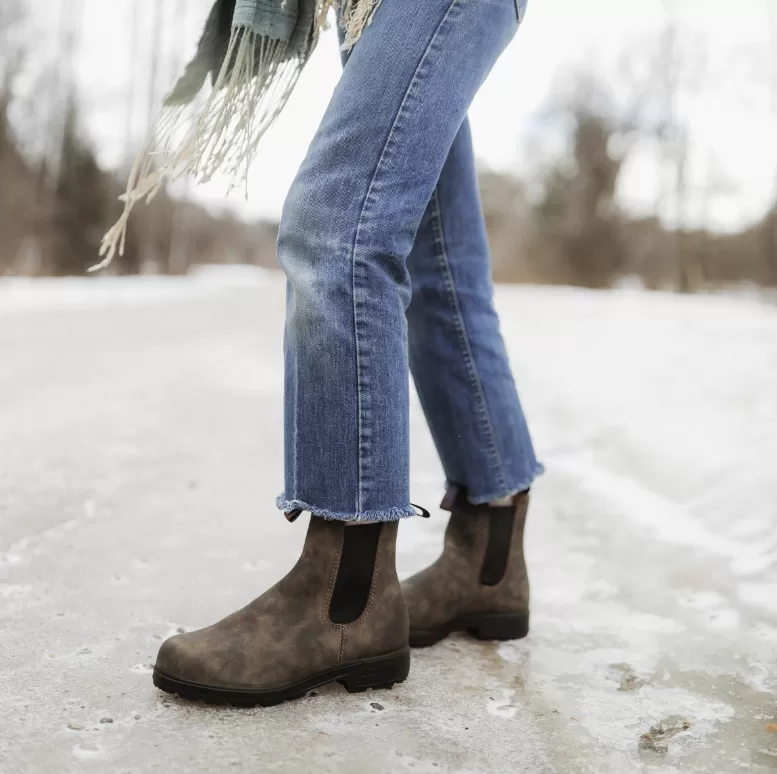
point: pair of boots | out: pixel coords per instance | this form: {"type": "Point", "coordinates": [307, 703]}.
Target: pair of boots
{"type": "Point", "coordinates": [342, 615]}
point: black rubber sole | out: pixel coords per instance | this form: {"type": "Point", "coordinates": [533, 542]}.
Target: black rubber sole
{"type": "Point", "coordinates": [498, 626]}
{"type": "Point", "coordinates": [381, 672]}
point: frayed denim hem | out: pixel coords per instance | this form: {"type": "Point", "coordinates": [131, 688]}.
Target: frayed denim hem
{"type": "Point", "coordinates": [509, 492]}
{"type": "Point", "coordinates": [390, 514]}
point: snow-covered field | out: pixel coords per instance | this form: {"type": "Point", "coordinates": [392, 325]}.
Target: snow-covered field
{"type": "Point", "coordinates": [140, 438]}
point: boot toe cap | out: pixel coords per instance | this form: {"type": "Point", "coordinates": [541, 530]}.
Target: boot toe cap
{"type": "Point", "coordinates": [179, 658]}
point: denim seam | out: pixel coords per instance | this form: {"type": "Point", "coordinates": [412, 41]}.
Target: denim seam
{"type": "Point", "coordinates": [295, 425]}
{"type": "Point", "coordinates": [466, 347]}
{"type": "Point", "coordinates": [366, 206]}
{"type": "Point", "coordinates": [357, 350]}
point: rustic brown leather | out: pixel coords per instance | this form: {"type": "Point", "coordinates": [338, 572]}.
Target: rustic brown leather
{"type": "Point", "coordinates": [285, 635]}
{"type": "Point", "coordinates": [450, 589]}
{"type": "Point", "coordinates": [385, 617]}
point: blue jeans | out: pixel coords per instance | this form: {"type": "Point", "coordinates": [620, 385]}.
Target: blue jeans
{"type": "Point", "coordinates": [383, 242]}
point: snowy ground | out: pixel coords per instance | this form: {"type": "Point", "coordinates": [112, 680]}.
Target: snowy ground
{"type": "Point", "coordinates": [140, 437]}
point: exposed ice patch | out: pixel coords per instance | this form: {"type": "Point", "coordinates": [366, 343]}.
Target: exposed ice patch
{"type": "Point", "coordinates": [664, 519]}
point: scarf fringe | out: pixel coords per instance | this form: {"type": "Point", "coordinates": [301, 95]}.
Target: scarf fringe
{"type": "Point", "coordinates": [252, 88]}
{"type": "Point", "coordinates": [357, 15]}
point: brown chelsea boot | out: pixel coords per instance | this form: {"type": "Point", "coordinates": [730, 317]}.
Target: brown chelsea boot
{"type": "Point", "coordinates": [339, 615]}
{"type": "Point", "coordinates": [479, 584]}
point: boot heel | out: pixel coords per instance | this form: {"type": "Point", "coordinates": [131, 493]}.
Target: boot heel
{"type": "Point", "coordinates": [377, 673]}
{"type": "Point", "coordinates": [500, 627]}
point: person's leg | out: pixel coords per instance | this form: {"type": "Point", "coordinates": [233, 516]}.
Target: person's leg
{"type": "Point", "coordinates": [461, 371]}
{"type": "Point", "coordinates": [347, 228]}
{"type": "Point", "coordinates": [457, 354]}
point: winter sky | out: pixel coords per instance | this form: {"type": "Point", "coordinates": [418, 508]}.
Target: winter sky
{"type": "Point", "coordinates": [733, 118]}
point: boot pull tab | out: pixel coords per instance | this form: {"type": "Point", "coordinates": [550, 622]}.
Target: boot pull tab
{"type": "Point", "coordinates": [422, 512]}
{"type": "Point", "coordinates": [292, 516]}
{"type": "Point", "coordinates": [450, 497]}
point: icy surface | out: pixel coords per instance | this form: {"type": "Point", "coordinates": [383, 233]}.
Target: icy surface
{"type": "Point", "coordinates": [140, 454]}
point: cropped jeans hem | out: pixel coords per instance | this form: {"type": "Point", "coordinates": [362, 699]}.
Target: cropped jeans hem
{"type": "Point", "coordinates": [389, 514]}
{"type": "Point", "coordinates": [508, 491]}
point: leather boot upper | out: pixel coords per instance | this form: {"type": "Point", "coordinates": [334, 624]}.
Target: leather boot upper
{"type": "Point", "coordinates": [286, 634]}
{"type": "Point", "coordinates": [451, 588]}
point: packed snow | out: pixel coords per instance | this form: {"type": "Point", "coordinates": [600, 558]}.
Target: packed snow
{"type": "Point", "coordinates": [140, 453]}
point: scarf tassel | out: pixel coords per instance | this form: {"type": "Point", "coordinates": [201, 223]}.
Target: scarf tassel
{"type": "Point", "coordinates": [252, 87]}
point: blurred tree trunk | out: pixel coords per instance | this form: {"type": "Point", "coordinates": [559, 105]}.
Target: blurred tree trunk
{"type": "Point", "coordinates": [680, 66]}
{"type": "Point", "coordinates": [79, 202]}
{"type": "Point", "coordinates": [770, 222]}
{"type": "Point", "coordinates": [16, 180]}
{"type": "Point", "coordinates": [577, 215]}
{"type": "Point", "coordinates": [151, 239]}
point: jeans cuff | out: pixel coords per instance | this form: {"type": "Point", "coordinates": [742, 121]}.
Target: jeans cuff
{"type": "Point", "coordinates": [390, 514]}
{"type": "Point", "coordinates": [522, 486]}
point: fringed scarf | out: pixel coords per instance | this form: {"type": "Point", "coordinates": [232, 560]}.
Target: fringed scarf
{"type": "Point", "coordinates": [254, 52]}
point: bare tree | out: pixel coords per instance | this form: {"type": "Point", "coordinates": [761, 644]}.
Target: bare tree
{"type": "Point", "coordinates": [663, 75]}
{"type": "Point", "coordinates": [14, 172]}
{"type": "Point", "coordinates": [770, 221]}
{"type": "Point", "coordinates": [679, 75]}
{"type": "Point", "coordinates": [11, 42]}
